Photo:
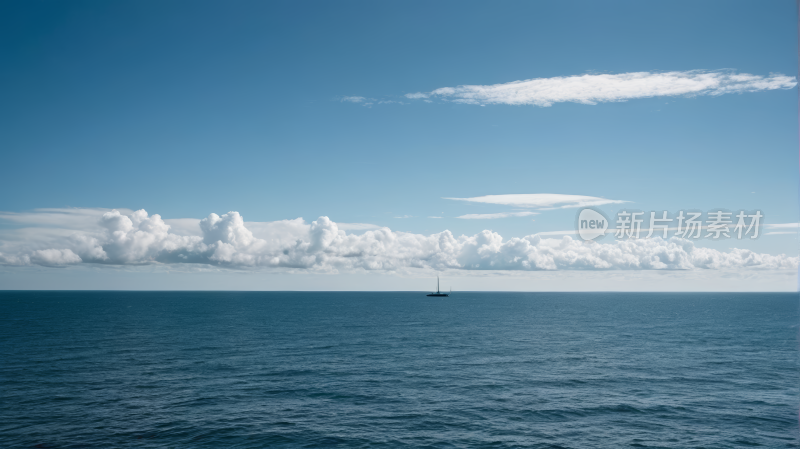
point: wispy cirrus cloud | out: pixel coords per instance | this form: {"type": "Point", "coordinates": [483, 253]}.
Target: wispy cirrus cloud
{"type": "Point", "coordinates": [369, 102]}
{"type": "Point", "coordinates": [786, 228]}
{"type": "Point", "coordinates": [782, 226]}
{"type": "Point", "coordinates": [358, 226]}
{"type": "Point", "coordinates": [600, 88]}
{"type": "Point", "coordinates": [540, 200]}
{"type": "Point", "coordinates": [354, 99]}
{"type": "Point", "coordinates": [498, 215]}
{"type": "Point", "coordinates": [63, 218]}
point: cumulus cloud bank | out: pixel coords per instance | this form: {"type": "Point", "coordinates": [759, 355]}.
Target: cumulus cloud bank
{"type": "Point", "coordinates": [134, 238]}
{"type": "Point", "coordinates": [540, 200]}
{"type": "Point", "coordinates": [593, 89]}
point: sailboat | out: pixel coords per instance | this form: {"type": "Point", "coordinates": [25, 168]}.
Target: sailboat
{"type": "Point", "coordinates": [438, 293]}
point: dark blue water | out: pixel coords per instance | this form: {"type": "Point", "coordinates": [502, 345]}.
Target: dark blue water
{"type": "Point", "coordinates": [252, 370]}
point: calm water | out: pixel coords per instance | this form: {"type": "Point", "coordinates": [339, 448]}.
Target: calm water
{"type": "Point", "coordinates": [548, 370]}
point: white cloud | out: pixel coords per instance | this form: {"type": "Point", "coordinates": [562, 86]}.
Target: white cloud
{"type": "Point", "coordinates": [782, 226]}
{"type": "Point", "coordinates": [643, 232]}
{"type": "Point", "coordinates": [184, 226]}
{"type": "Point", "coordinates": [599, 88]}
{"type": "Point", "coordinates": [137, 238]}
{"type": "Point", "coordinates": [357, 226]}
{"type": "Point", "coordinates": [540, 200]}
{"type": "Point", "coordinates": [64, 218]}
{"type": "Point", "coordinates": [54, 257]}
{"type": "Point", "coordinates": [499, 215]}
{"type": "Point", "coordinates": [354, 99]}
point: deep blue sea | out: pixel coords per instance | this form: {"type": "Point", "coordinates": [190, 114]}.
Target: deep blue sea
{"type": "Point", "coordinates": [363, 370]}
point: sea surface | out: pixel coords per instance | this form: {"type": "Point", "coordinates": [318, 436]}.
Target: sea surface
{"type": "Point", "coordinates": [387, 370]}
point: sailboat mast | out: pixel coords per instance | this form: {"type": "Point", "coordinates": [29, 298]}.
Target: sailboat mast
{"type": "Point", "coordinates": [437, 284]}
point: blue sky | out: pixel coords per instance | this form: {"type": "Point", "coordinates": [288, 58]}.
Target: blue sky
{"type": "Point", "coordinates": [189, 108]}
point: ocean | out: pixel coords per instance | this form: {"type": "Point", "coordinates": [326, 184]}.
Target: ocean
{"type": "Point", "coordinates": [365, 370]}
